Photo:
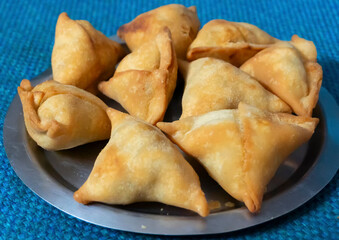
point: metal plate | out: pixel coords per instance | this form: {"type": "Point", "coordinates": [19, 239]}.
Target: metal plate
{"type": "Point", "coordinates": [54, 176]}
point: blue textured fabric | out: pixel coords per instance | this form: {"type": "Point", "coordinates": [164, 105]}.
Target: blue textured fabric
{"type": "Point", "coordinates": [26, 41]}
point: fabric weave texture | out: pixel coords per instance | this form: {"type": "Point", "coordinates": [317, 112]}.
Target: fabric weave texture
{"type": "Point", "coordinates": [26, 42]}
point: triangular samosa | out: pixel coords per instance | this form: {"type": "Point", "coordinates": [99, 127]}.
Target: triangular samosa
{"type": "Point", "coordinates": [213, 84]}
{"type": "Point", "coordinates": [289, 70]}
{"type": "Point", "coordinates": [241, 149]}
{"type": "Point", "coordinates": [233, 42]}
{"type": "Point", "coordinates": [139, 164]}
{"type": "Point", "coordinates": [61, 116]}
{"type": "Point", "coordinates": [83, 56]}
{"type": "Point", "coordinates": [183, 23]}
{"type": "Point", "coordinates": [145, 79]}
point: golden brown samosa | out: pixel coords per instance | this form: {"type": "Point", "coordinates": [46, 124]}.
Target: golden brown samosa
{"type": "Point", "coordinates": [233, 42]}
{"type": "Point", "coordinates": [213, 84]}
{"type": "Point", "coordinates": [145, 79]}
{"type": "Point", "coordinates": [83, 56]}
{"type": "Point", "coordinates": [139, 164]}
{"type": "Point", "coordinates": [61, 116]}
{"type": "Point", "coordinates": [183, 23]}
{"type": "Point", "coordinates": [241, 149]}
{"type": "Point", "coordinates": [289, 70]}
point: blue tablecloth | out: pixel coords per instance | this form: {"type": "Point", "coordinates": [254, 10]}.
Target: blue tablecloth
{"type": "Point", "coordinates": [26, 41]}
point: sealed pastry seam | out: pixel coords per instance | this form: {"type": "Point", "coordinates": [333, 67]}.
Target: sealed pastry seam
{"type": "Point", "coordinates": [231, 50]}
{"type": "Point", "coordinates": [51, 128]}
{"type": "Point", "coordinates": [52, 111]}
{"type": "Point", "coordinates": [50, 90]}
{"type": "Point", "coordinates": [234, 42]}
{"type": "Point", "coordinates": [314, 79]}
{"type": "Point", "coordinates": [27, 100]}
{"type": "Point", "coordinates": [251, 200]}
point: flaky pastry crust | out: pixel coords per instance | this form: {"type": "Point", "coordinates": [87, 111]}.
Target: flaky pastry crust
{"type": "Point", "coordinates": [213, 84]}
{"type": "Point", "coordinates": [233, 42]}
{"type": "Point", "coordinates": [242, 148]}
{"type": "Point", "coordinates": [139, 164]}
{"type": "Point", "coordinates": [183, 23]}
{"type": "Point", "coordinates": [145, 79]}
{"type": "Point", "coordinates": [289, 70]}
{"type": "Point", "coordinates": [61, 116]}
{"type": "Point", "coordinates": [82, 56]}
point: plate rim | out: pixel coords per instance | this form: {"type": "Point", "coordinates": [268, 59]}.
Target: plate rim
{"type": "Point", "coordinates": [215, 223]}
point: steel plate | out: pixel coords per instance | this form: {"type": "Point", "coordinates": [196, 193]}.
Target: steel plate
{"type": "Point", "coordinates": [54, 176]}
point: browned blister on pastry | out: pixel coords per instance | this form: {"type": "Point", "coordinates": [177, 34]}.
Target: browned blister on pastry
{"type": "Point", "coordinates": [289, 70]}
{"type": "Point", "coordinates": [233, 42]}
{"type": "Point", "coordinates": [139, 164]}
{"type": "Point", "coordinates": [241, 149]}
{"type": "Point", "coordinates": [61, 116]}
{"type": "Point", "coordinates": [213, 84]}
{"type": "Point", "coordinates": [183, 23]}
{"type": "Point", "coordinates": [83, 56]}
{"type": "Point", "coordinates": [145, 79]}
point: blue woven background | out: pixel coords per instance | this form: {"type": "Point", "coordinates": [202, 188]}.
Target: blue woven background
{"type": "Point", "coordinates": [26, 41]}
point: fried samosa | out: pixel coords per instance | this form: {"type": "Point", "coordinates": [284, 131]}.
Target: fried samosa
{"type": "Point", "coordinates": [241, 149]}
{"type": "Point", "coordinates": [289, 70]}
{"type": "Point", "coordinates": [145, 79]}
{"type": "Point", "coordinates": [61, 116]}
{"type": "Point", "coordinates": [183, 23]}
{"type": "Point", "coordinates": [139, 164]}
{"type": "Point", "coordinates": [213, 84]}
{"type": "Point", "coordinates": [233, 42]}
{"type": "Point", "coordinates": [83, 56]}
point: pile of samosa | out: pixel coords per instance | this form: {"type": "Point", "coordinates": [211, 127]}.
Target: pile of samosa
{"type": "Point", "coordinates": [241, 87]}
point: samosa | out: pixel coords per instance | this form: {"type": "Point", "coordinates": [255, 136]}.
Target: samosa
{"type": "Point", "coordinates": [213, 84]}
{"type": "Point", "coordinates": [82, 56]}
{"type": "Point", "coordinates": [241, 149]}
{"type": "Point", "coordinates": [289, 70]}
{"type": "Point", "coordinates": [139, 164]}
{"type": "Point", "coordinates": [61, 116]}
{"type": "Point", "coordinates": [145, 79]}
